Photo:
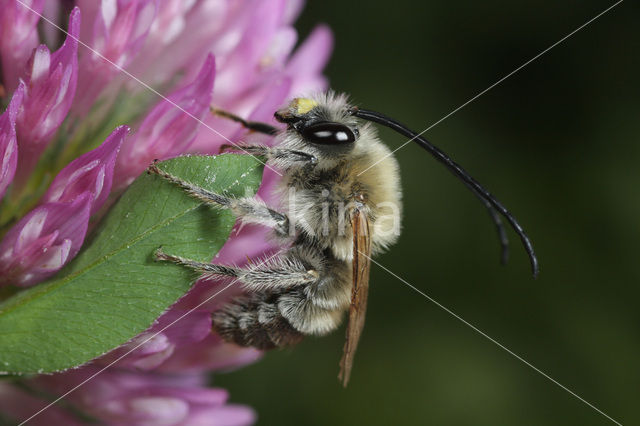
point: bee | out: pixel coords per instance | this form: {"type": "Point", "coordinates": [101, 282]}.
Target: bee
{"type": "Point", "coordinates": [346, 186]}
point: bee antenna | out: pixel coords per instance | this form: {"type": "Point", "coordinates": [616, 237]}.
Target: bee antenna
{"type": "Point", "coordinates": [495, 208]}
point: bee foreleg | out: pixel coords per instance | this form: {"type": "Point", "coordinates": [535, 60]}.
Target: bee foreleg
{"type": "Point", "coordinates": [249, 210]}
{"type": "Point", "coordinates": [277, 273]}
{"type": "Point", "coordinates": [255, 126]}
{"type": "Point", "coordinates": [278, 156]}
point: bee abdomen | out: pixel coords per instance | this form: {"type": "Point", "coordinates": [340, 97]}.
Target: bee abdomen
{"type": "Point", "coordinates": [254, 320]}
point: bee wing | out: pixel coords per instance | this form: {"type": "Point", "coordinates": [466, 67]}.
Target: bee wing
{"type": "Point", "coordinates": [361, 266]}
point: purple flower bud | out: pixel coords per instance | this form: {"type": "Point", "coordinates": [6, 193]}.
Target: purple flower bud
{"type": "Point", "coordinates": [51, 85]}
{"type": "Point", "coordinates": [18, 37]}
{"type": "Point", "coordinates": [174, 329]}
{"type": "Point", "coordinates": [121, 397]}
{"type": "Point", "coordinates": [8, 144]}
{"type": "Point", "coordinates": [91, 172]}
{"type": "Point", "coordinates": [277, 52]}
{"type": "Point", "coordinates": [173, 48]}
{"type": "Point", "coordinates": [43, 241]}
{"type": "Point", "coordinates": [54, 11]}
{"type": "Point", "coordinates": [167, 130]}
{"type": "Point", "coordinates": [308, 61]}
{"type": "Point", "coordinates": [116, 29]}
{"type": "Point", "coordinates": [17, 403]}
{"type": "Point", "coordinates": [293, 10]}
{"type": "Point", "coordinates": [238, 72]}
{"type": "Point", "coordinates": [169, 26]}
{"type": "Point", "coordinates": [164, 43]}
{"type": "Point", "coordinates": [209, 354]}
{"type": "Point", "coordinates": [225, 415]}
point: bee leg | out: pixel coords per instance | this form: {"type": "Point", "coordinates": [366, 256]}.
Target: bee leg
{"type": "Point", "coordinates": [276, 274]}
{"type": "Point", "coordinates": [283, 302]}
{"type": "Point", "coordinates": [279, 317]}
{"type": "Point", "coordinates": [286, 157]}
{"type": "Point", "coordinates": [278, 156]}
{"type": "Point", "coordinates": [200, 267]}
{"type": "Point", "coordinates": [255, 320]}
{"type": "Point", "coordinates": [252, 319]}
{"type": "Point", "coordinates": [249, 210]}
{"type": "Point", "coordinates": [254, 126]}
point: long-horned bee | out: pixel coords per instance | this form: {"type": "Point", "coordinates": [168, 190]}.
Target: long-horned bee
{"type": "Point", "coordinates": [347, 193]}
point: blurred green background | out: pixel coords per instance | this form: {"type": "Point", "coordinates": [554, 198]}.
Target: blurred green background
{"type": "Point", "coordinates": [558, 144]}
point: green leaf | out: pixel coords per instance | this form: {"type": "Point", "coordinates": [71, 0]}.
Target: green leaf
{"type": "Point", "coordinates": [113, 289]}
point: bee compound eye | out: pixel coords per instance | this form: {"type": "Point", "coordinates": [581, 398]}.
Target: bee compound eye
{"type": "Point", "coordinates": [328, 133]}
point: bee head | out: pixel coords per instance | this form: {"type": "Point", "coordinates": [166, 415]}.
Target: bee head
{"type": "Point", "coordinates": [319, 124]}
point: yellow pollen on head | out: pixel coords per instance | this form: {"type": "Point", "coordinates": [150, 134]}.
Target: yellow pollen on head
{"type": "Point", "coordinates": [304, 105]}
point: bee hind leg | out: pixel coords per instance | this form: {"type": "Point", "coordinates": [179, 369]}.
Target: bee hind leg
{"type": "Point", "coordinates": [254, 320]}
{"type": "Point", "coordinates": [275, 274]}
